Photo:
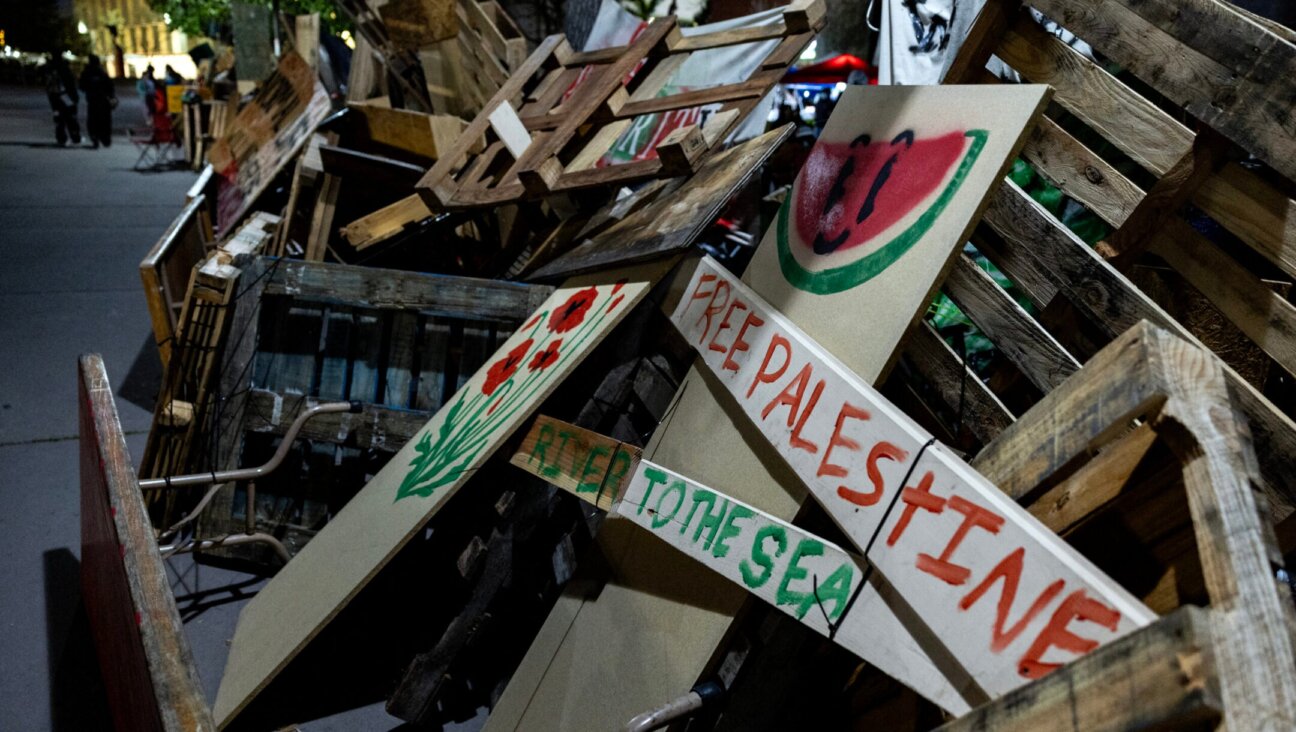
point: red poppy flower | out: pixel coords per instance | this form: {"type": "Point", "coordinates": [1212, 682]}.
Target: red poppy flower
{"type": "Point", "coordinates": [571, 313]}
{"type": "Point", "coordinates": [531, 323]}
{"type": "Point", "coordinates": [612, 305]}
{"type": "Point", "coordinates": [545, 357]}
{"type": "Point", "coordinates": [619, 284]}
{"type": "Point", "coordinates": [503, 369]}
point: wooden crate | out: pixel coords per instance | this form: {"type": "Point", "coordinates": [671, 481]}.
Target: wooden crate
{"type": "Point", "coordinates": [552, 121]}
{"type": "Point", "coordinates": [398, 343]}
{"type": "Point", "coordinates": [1080, 297]}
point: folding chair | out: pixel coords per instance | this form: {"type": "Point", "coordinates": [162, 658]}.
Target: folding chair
{"type": "Point", "coordinates": [160, 148]}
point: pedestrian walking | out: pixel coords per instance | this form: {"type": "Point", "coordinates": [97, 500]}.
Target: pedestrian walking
{"type": "Point", "coordinates": [60, 86]}
{"type": "Point", "coordinates": [101, 98]}
{"type": "Point", "coordinates": [147, 88]}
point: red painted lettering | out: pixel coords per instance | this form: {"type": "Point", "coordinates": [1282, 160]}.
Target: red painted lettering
{"type": "Point", "coordinates": [763, 375]}
{"type": "Point", "coordinates": [797, 440]}
{"type": "Point", "coordinates": [1076, 606]}
{"type": "Point", "coordinates": [697, 291]}
{"type": "Point", "coordinates": [881, 450]}
{"type": "Point", "coordinates": [916, 498]}
{"type": "Point", "coordinates": [847, 411]}
{"type": "Point", "coordinates": [973, 515]}
{"type": "Point", "coordinates": [792, 395]}
{"type": "Point", "coordinates": [738, 343]}
{"type": "Point", "coordinates": [1010, 569]}
{"type": "Point", "coordinates": [724, 323]}
{"type": "Point", "coordinates": [721, 287]}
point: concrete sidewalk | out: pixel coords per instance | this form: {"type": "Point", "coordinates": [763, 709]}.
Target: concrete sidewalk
{"type": "Point", "coordinates": [74, 224]}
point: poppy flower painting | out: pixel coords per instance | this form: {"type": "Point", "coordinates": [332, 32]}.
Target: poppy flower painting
{"type": "Point", "coordinates": [503, 369]}
{"type": "Point", "coordinates": [545, 357]}
{"type": "Point", "coordinates": [572, 313]}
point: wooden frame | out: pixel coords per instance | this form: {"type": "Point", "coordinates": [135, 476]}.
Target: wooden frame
{"type": "Point", "coordinates": [539, 137]}
{"type": "Point", "coordinates": [147, 666]}
{"type": "Point", "coordinates": [1075, 289]}
{"type": "Point", "coordinates": [166, 268]}
{"type": "Point", "coordinates": [1235, 660]}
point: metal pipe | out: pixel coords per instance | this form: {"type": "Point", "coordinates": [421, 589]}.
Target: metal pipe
{"type": "Point", "coordinates": [227, 540]}
{"type": "Point", "coordinates": [665, 714]}
{"type": "Point", "coordinates": [704, 694]}
{"type": "Point", "coordinates": [226, 476]}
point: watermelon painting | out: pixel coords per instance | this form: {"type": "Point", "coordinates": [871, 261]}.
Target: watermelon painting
{"type": "Point", "coordinates": [859, 205]}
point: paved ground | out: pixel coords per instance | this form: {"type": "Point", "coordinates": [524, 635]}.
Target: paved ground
{"type": "Point", "coordinates": [74, 224]}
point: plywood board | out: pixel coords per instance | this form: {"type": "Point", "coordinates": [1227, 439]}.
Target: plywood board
{"type": "Point", "coordinates": [676, 217]}
{"type": "Point", "coordinates": [267, 133]}
{"type": "Point", "coordinates": [941, 535]}
{"type": "Point", "coordinates": [707, 438]}
{"type": "Point", "coordinates": [418, 480]}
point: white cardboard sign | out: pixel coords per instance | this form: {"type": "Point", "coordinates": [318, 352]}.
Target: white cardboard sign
{"type": "Point", "coordinates": [972, 571]}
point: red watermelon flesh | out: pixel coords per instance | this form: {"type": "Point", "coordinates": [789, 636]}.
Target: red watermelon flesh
{"type": "Point", "coordinates": [848, 193]}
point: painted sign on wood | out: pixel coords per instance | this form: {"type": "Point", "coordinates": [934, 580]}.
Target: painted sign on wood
{"type": "Point", "coordinates": [811, 579]}
{"type": "Point", "coordinates": [419, 479]}
{"type": "Point", "coordinates": [1007, 598]}
{"type": "Point", "coordinates": [863, 326]}
{"type": "Point", "coordinates": [266, 134]}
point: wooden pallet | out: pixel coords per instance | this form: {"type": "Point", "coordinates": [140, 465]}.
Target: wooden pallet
{"type": "Point", "coordinates": [148, 669]}
{"type": "Point", "coordinates": [1081, 298]}
{"type": "Point", "coordinates": [491, 48]}
{"type": "Point", "coordinates": [1232, 662]}
{"type": "Point", "coordinates": [165, 270]}
{"type": "Point", "coordinates": [550, 124]}
{"type": "Point", "coordinates": [399, 343]}
{"type": "Point", "coordinates": [180, 418]}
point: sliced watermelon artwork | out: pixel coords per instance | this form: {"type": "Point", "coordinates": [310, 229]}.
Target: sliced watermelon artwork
{"type": "Point", "coordinates": [850, 196]}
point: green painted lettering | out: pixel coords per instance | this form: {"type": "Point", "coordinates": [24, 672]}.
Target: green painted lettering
{"type": "Point", "coordinates": [543, 440]}
{"type": "Point", "coordinates": [729, 531]}
{"type": "Point", "coordinates": [801, 600]}
{"type": "Point", "coordinates": [553, 469]}
{"type": "Point", "coordinates": [837, 588]}
{"type": "Point", "coordinates": [621, 462]}
{"type": "Point", "coordinates": [758, 555]}
{"type": "Point", "coordinates": [589, 487]}
{"type": "Point", "coordinates": [654, 477]}
{"type": "Point", "coordinates": [661, 519]}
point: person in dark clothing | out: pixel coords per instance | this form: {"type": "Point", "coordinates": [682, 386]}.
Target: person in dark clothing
{"type": "Point", "coordinates": [60, 86]}
{"type": "Point", "coordinates": [100, 97]}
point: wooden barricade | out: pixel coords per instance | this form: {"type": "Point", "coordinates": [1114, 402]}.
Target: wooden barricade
{"type": "Point", "coordinates": [399, 343]}
{"type": "Point", "coordinates": [551, 123]}
{"type": "Point", "coordinates": [180, 417]}
{"type": "Point", "coordinates": [148, 670]}
{"type": "Point", "coordinates": [1221, 292]}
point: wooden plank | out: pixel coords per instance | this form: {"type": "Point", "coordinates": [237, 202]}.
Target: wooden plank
{"type": "Point", "coordinates": [268, 132]}
{"type": "Point", "coordinates": [586, 464]}
{"type": "Point", "coordinates": [1036, 241]}
{"type": "Point", "coordinates": [676, 217]}
{"type": "Point", "coordinates": [374, 170]}
{"type": "Point", "coordinates": [414, 24]}
{"type": "Point", "coordinates": [1025, 342]}
{"type": "Point", "coordinates": [417, 133]}
{"type": "Point", "coordinates": [1265, 316]}
{"type": "Point", "coordinates": [306, 38]}
{"type": "Point", "coordinates": [321, 228]}
{"type": "Point", "coordinates": [1230, 73]}
{"type": "Point", "coordinates": [1255, 211]}
{"type": "Point", "coordinates": [148, 669]}
{"type": "Point", "coordinates": [1165, 674]}
{"type": "Point", "coordinates": [166, 266]}
{"type": "Point", "coordinates": [388, 289]}
{"type": "Point", "coordinates": [1067, 504]}
{"type": "Point", "coordinates": [337, 564]}
{"type": "Point", "coordinates": [1080, 173]}
{"type": "Point", "coordinates": [375, 427]}
{"type": "Point", "coordinates": [386, 222]}
{"type": "Point", "coordinates": [768, 364]}
{"type": "Point", "coordinates": [695, 613]}
{"type": "Point", "coordinates": [981, 411]}
{"type": "Point", "coordinates": [1132, 123]}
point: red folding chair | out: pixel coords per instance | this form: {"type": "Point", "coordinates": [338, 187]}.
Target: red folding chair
{"type": "Point", "coordinates": [160, 147]}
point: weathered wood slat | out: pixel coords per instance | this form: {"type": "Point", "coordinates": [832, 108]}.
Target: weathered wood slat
{"type": "Point", "coordinates": [982, 412]}
{"type": "Point", "coordinates": [143, 653]}
{"type": "Point", "coordinates": [1019, 336]}
{"type": "Point", "coordinates": [373, 287]}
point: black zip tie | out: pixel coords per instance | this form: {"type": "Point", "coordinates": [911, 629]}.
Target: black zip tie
{"type": "Point", "coordinates": [868, 571]}
{"type": "Point", "coordinates": [958, 424]}
{"type": "Point", "coordinates": [606, 473]}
